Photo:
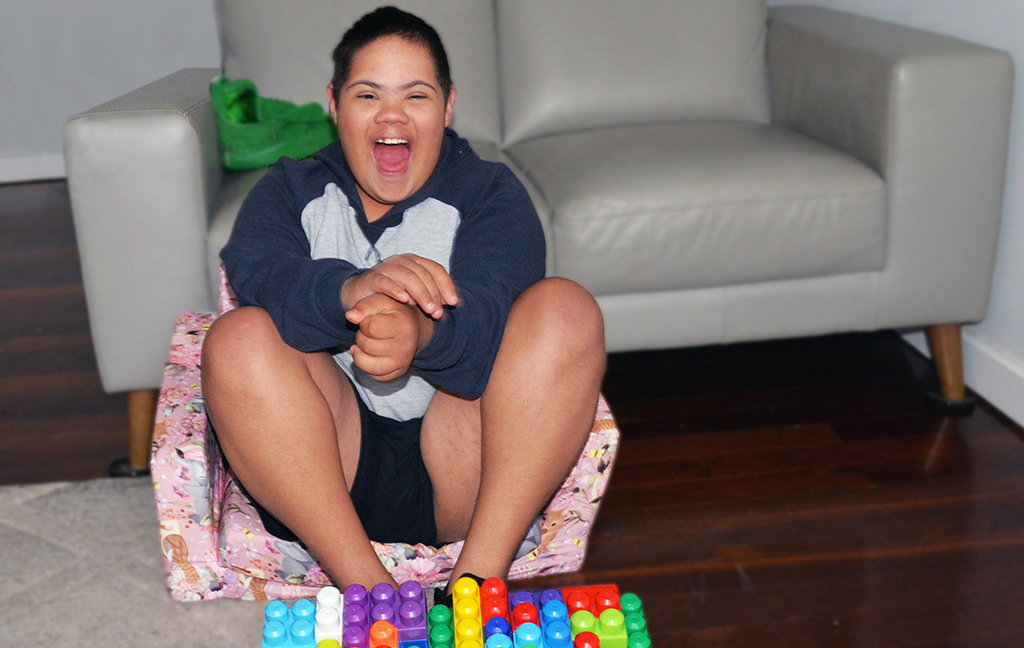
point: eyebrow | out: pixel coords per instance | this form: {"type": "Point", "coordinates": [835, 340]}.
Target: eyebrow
{"type": "Point", "coordinates": [407, 86]}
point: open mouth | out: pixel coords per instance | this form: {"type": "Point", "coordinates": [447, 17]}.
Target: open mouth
{"type": "Point", "coordinates": [392, 155]}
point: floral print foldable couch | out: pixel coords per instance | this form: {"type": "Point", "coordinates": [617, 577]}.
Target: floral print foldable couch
{"type": "Point", "coordinates": [214, 544]}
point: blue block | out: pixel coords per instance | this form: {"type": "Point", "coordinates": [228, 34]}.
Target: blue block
{"type": "Point", "coordinates": [285, 627]}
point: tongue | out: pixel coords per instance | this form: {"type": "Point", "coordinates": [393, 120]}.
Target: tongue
{"type": "Point", "coordinates": [391, 158]}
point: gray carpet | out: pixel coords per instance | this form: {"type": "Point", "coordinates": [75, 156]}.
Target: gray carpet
{"type": "Point", "coordinates": [80, 565]}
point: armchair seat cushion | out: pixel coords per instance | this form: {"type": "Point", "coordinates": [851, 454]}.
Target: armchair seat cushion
{"type": "Point", "coordinates": [658, 207]}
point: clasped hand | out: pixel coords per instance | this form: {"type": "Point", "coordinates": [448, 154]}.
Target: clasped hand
{"type": "Point", "coordinates": [394, 305]}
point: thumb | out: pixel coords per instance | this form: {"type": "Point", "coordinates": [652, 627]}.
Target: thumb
{"type": "Point", "coordinates": [355, 315]}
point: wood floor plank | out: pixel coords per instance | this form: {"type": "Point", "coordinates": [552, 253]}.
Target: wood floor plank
{"type": "Point", "coordinates": [46, 355]}
{"type": "Point", "coordinates": [42, 311]}
{"type": "Point", "coordinates": [693, 447]}
{"type": "Point", "coordinates": [40, 267]}
{"type": "Point", "coordinates": [53, 395]}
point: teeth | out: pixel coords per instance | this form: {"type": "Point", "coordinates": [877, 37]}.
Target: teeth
{"type": "Point", "coordinates": [393, 140]}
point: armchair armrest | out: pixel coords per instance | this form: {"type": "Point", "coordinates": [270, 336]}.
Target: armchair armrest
{"type": "Point", "coordinates": [142, 173]}
{"type": "Point", "coordinates": [931, 115]}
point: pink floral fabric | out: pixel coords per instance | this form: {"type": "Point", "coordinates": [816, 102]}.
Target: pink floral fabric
{"type": "Point", "coordinates": [214, 544]}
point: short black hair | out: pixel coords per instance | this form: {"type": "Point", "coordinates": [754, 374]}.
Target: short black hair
{"type": "Point", "coordinates": [390, 21]}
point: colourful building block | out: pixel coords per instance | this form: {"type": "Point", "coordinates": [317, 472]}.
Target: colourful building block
{"type": "Point", "coordinates": [586, 640]}
{"type": "Point", "coordinates": [383, 634]}
{"type": "Point", "coordinates": [498, 641]}
{"type": "Point", "coordinates": [538, 598]}
{"type": "Point", "coordinates": [610, 627]}
{"type": "Point", "coordinates": [593, 598]}
{"type": "Point", "coordinates": [630, 602]}
{"type": "Point", "coordinates": [293, 627]}
{"type": "Point", "coordinates": [441, 627]}
{"type": "Point", "coordinates": [497, 626]}
{"type": "Point", "coordinates": [638, 640]}
{"type": "Point", "coordinates": [494, 601]}
{"type": "Point", "coordinates": [405, 609]}
{"type": "Point", "coordinates": [555, 625]}
{"type": "Point", "coordinates": [412, 613]}
{"type": "Point", "coordinates": [525, 612]}
{"type": "Point", "coordinates": [528, 635]}
{"type": "Point", "coordinates": [469, 629]}
{"type": "Point", "coordinates": [329, 609]}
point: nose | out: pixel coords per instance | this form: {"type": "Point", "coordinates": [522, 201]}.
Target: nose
{"type": "Point", "coordinates": [392, 111]}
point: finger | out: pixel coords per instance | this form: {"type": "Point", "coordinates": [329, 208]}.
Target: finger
{"type": "Point", "coordinates": [383, 284]}
{"type": "Point", "coordinates": [418, 281]}
{"type": "Point", "coordinates": [437, 280]}
{"type": "Point", "coordinates": [443, 280]}
{"type": "Point", "coordinates": [372, 305]}
{"type": "Point", "coordinates": [355, 315]}
{"type": "Point", "coordinates": [384, 325]}
{"type": "Point", "coordinates": [378, 347]}
{"type": "Point", "coordinates": [381, 368]}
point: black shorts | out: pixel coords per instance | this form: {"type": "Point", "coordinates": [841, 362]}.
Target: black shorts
{"type": "Point", "coordinates": [392, 492]}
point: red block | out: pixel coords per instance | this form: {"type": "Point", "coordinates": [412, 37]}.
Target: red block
{"type": "Point", "coordinates": [525, 613]}
{"type": "Point", "coordinates": [586, 640]}
{"type": "Point", "coordinates": [594, 598]}
{"type": "Point", "coordinates": [494, 600]}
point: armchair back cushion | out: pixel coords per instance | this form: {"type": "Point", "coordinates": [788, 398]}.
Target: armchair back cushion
{"type": "Point", "coordinates": [577, 65]}
{"type": "Point", "coordinates": [287, 52]}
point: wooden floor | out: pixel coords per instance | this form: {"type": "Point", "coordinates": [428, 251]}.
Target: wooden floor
{"type": "Point", "coordinates": [795, 493]}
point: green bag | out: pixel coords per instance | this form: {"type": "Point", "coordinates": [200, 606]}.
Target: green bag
{"type": "Point", "coordinates": [256, 131]}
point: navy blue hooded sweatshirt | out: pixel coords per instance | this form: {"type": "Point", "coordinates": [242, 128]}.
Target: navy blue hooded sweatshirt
{"type": "Point", "coordinates": [302, 232]}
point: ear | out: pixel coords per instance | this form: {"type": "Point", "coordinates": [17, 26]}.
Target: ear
{"type": "Point", "coordinates": [332, 102]}
{"type": "Point", "coordinates": [449, 108]}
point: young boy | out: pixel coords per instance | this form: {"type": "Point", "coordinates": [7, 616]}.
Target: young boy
{"type": "Point", "coordinates": [399, 369]}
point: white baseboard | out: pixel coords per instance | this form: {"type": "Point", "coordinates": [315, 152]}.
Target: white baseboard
{"type": "Point", "coordinates": [992, 371]}
{"type": "Point", "coordinates": [38, 167]}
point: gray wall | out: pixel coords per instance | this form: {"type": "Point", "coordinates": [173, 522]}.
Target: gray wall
{"type": "Point", "coordinates": [60, 57]}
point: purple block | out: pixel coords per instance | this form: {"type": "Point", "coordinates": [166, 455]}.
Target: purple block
{"type": "Point", "coordinates": [382, 612]}
{"type": "Point", "coordinates": [410, 591]}
{"type": "Point", "coordinates": [356, 595]}
{"type": "Point", "coordinates": [355, 617]}
{"type": "Point", "coordinates": [382, 593]}
{"type": "Point", "coordinates": [550, 595]}
{"type": "Point", "coordinates": [354, 638]}
{"type": "Point", "coordinates": [523, 597]}
{"type": "Point", "coordinates": [412, 621]}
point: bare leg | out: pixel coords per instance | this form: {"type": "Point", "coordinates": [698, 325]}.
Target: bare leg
{"type": "Point", "coordinates": [495, 462]}
{"type": "Point", "coordinates": [288, 423]}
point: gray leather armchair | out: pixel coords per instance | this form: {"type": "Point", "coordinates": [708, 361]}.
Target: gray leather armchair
{"type": "Point", "coordinates": [711, 171]}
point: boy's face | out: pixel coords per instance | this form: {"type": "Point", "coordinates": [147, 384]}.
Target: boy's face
{"type": "Point", "coordinates": [391, 115]}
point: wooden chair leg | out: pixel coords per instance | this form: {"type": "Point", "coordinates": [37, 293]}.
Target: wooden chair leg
{"type": "Point", "coordinates": [944, 340]}
{"type": "Point", "coordinates": [141, 417]}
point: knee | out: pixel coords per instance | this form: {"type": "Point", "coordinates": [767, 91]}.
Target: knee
{"type": "Point", "coordinates": [237, 339]}
{"type": "Point", "coordinates": [565, 318]}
